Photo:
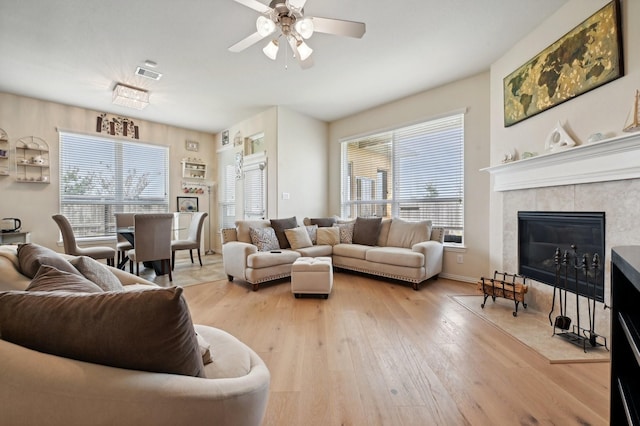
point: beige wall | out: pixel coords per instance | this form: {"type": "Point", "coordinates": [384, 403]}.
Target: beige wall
{"type": "Point", "coordinates": [472, 94]}
{"type": "Point", "coordinates": [601, 110]}
{"type": "Point", "coordinates": [34, 204]}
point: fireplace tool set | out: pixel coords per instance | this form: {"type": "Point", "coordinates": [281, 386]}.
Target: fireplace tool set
{"type": "Point", "coordinates": [567, 267]}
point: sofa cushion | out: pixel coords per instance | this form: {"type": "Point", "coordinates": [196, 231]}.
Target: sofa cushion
{"type": "Point", "coordinates": [268, 259]}
{"type": "Point", "coordinates": [49, 278]}
{"type": "Point", "coordinates": [406, 234]}
{"type": "Point", "coordinates": [346, 232]}
{"type": "Point", "coordinates": [243, 226]}
{"type": "Point", "coordinates": [328, 236]}
{"type": "Point", "coordinates": [264, 239]}
{"type": "Point", "coordinates": [322, 222]}
{"type": "Point", "coordinates": [316, 251]}
{"type": "Point", "coordinates": [356, 251]}
{"type": "Point", "coordinates": [395, 256]}
{"type": "Point", "coordinates": [384, 232]}
{"type": "Point", "coordinates": [149, 330]}
{"type": "Point", "coordinates": [298, 237]}
{"type": "Point", "coordinates": [32, 256]}
{"type": "Point", "coordinates": [279, 225]}
{"type": "Point", "coordinates": [366, 230]}
{"type": "Point", "coordinates": [97, 273]}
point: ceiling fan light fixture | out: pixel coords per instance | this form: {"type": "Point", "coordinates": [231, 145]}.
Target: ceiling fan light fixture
{"type": "Point", "coordinates": [304, 50]}
{"type": "Point", "coordinates": [271, 50]}
{"type": "Point", "coordinates": [304, 27]}
{"type": "Point", "coordinates": [265, 26]}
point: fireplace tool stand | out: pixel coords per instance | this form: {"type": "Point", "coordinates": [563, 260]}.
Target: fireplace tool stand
{"type": "Point", "coordinates": [568, 265]}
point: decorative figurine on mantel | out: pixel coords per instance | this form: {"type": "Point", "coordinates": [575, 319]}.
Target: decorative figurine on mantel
{"type": "Point", "coordinates": [634, 124]}
{"type": "Point", "coordinates": [558, 139]}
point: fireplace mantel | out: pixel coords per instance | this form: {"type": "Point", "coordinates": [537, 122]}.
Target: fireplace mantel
{"type": "Point", "coordinates": [610, 159]}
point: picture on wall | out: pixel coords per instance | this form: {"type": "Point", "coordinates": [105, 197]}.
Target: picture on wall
{"type": "Point", "coordinates": [585, 58]}
{"type": "Point", "coordinates": [187, 204]}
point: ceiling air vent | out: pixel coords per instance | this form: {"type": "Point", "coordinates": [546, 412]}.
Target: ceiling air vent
{"type": "Point", "coordinates": [148, 73]}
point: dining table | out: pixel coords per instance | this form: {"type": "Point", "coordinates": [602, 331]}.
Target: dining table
{"type": "Point", "coordinates": [129, 233]}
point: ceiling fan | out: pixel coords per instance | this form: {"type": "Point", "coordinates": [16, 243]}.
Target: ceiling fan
{"type": "Point", "coordinates": [285, 19]}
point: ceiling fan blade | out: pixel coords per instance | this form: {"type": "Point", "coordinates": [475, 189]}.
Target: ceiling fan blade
{"type": "Point", "coordinates": [246, 42]}
{"type": "Point", "coordinates": [338, 27]}
{"type": "Point", "coordinates": [308, 63]}
{"type": "Point", "coordinates": [297, 4]}
{"type": "Point", "coordinates": [255, 5]}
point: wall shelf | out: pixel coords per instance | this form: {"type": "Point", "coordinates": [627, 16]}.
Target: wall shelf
{"type": "Point", "coordinates": [4, 153]}
{"type": "Point", "coordinates": [32, 160]}
{"type": "Point", "coordinates": [194, 168]}
{"type": "Point", "coordinates": [606, 160]}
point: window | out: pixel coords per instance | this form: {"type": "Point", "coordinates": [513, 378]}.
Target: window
{"type": "Point", "coordinates": [413, 173]}
{"type": "Point", "coordinates": [227, 189]}
{"type": "Point", "coordinates": [101, 176]}
{"type": "Point", "coordinates": [255, 187]}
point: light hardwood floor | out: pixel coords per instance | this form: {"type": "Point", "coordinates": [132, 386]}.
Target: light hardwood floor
{"type": "Point", "coordinates": [378, 353]}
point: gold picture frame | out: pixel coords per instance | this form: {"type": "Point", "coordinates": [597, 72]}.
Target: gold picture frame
{"type": "Point", "coordinates": [585, 58]}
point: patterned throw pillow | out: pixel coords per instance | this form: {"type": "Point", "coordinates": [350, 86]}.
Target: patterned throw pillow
{"type": "Point", "coordinates": [264, 238]}
{"type": "Point", "coordinates": [346, 232]}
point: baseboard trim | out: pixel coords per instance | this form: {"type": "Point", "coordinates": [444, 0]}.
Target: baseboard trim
{"type": "Point", "coordinates": [458, 278]}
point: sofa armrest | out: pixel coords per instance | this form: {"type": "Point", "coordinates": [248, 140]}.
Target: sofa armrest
{"type": "Point", "coordinates": [234, 257]}
{"type": "Point", "coordinates": [228, 235]}
{"type": "Point", "coordinates": [433, 252]}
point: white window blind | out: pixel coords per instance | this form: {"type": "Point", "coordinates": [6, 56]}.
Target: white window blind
{"type": "Point", "coordinates": [101, 176]}
{"type": "Point", "coordinates": [414, 173]}
{"type": "Point", "coordinates": [255, 189]}
{"type": "Point", "coordinates": [227, 194]}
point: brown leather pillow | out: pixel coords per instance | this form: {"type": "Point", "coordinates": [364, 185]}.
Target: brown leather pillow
{"type": "Point", "coordinates": [49, 278]}
{"type": "Point", "coordinates": [323, 222]}
{"type": "Point", "coordinates": [32, 256]}
{"type": "Point", "coordinates": [367, 230]}
{"type": "Point", "coordinates": [149, 330]}
{"type": "Point", "coordinates": [279, 225]}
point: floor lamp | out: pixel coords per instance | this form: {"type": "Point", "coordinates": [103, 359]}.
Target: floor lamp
{"type": "Point", "coordinates": [209, 250]}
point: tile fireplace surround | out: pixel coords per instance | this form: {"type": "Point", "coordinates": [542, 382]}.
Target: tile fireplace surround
{"type": "Point", "coordinates": [600, 176]}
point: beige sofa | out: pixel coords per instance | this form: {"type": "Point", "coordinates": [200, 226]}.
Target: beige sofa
{"type": "Point", "coordinates": [410, 252]}
{"type": "Point", "coordinates": [39, 388]}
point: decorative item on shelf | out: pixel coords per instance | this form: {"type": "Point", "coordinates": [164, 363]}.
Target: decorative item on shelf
{"type": "Point", "coordinates": [633, 125]}
{"type": "Point", "coordinates": [558, 139]}
{"type": "Point", "coordinates": [595, 137]}
{"type": "Point", "coordinates": [508, 157]}
{"type": "Point", "coordinates": [225, 137]}
{"type": "Point", "coordinates": [586, 57]}
{"type": "Point", "coordinates": [194, 187]}
{"type": "Point", "coordinates": [238, 165]}
{"type": "Point", "coordinates": [528, 154]}
{"type": "Point", "coordinates": [117, 126]}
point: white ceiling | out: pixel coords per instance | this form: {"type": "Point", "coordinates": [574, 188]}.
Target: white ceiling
{"type": "Point", "coordinates": [74, 51]}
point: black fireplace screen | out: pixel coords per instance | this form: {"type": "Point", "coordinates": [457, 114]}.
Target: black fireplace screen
{"type": "Point", "coordinates": [540, 233]}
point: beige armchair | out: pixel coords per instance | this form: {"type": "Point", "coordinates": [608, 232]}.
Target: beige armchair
{"type": "Point", "coordinates": [71, 246]}
{"type": "Point", "coordinates": [193, 240]}
{"type": "Point", "coordinates": [152, 241]}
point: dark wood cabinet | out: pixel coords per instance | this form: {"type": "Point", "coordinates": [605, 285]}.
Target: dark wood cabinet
{"type": "Point", "coordinates": [625, 336]}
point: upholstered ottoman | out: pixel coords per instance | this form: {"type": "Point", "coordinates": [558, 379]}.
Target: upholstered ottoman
{"type": "Point", "coordinates": [312, 275]}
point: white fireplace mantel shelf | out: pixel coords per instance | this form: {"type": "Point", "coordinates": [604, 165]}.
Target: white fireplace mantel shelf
{"type": "Point", "coordinates": [610, 159]}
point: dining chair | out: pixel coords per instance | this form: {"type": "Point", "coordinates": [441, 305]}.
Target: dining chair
{"type": "Point", "coordinates": [193, 239]}
{"type": "Point", "coordinates": [123, 220]}
{"type": "Point", "coordinates": [71, 246]}
{"type": "Point", "coordinates": [152, 241]}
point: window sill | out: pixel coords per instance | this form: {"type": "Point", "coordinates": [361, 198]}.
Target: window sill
{"type": "Point", "coordinates": [455, 247]}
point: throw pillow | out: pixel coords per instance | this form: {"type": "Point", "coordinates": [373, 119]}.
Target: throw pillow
{"type": "Point", "coordinates": [49, 278]}
{"type": "Point", "coordinates": [32, 256]}
{"type": "Point", "coordinates": [279, 225]}
{"type": "Point", "coordinates": [298, 237]}
{"type": "Point", "coordinates": [323, 222]}
{"type": "Point", "coordinates": [367, 230]}
{"type": "Point", "coordinates": [148, 330]}
{"type": "Point", "coordinates": [328, 236]}
{"type": "Point", "coordinates": [98, 273]}
{"type": "Point", "coordinates": [264, 238]}
{"type": "Point", "coordinates": [346, 232]}
{"type": "Point", "coordinates": [312, 230]}
{"type": "Point", "coordinates": [407, 234]}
